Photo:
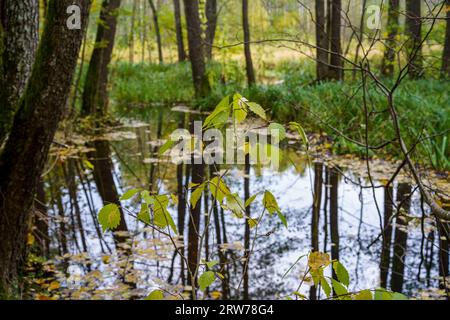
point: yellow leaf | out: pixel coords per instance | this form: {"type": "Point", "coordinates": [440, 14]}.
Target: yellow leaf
{"type": "Point", "coordinates": [106, 259]}
{"type": "Point", "coordinates": [30, 239]}
{"type": "Point", "coordinates": [54, 285]}
{"type": "Point", "coordinates": [317, 260]}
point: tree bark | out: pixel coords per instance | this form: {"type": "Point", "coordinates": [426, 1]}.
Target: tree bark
{"type": "Point", "coordinates": [247, 168]}
{"type": "Point", "coordinates": [334, 216]}
{"type": "Point", "coordinates": [179, 31]}
{"type": "Point", "coordinates": [196, 49]}
{"type": "Point", "coordinates": [19, 25]}
{"type": "Point", "coordinates": [322, 55]}
{"type": "Point", "coordinates": [446, 53]}
{"type": "Point", "coordinates": [413, 28]}
{"type": "Point", "coordinates": [157, 30]}
{"type": "Point", "coordinates": [387, 68]}
{"type": "Point", "coordinates": [132, 34]}
{"type": "Point", "coordinates": [36, 121]}
{"type": "Point", "coordinates": [95, 98]}
{"type": "Point", "coordinates": [248, 54]}
{"type": "Point", "coordinates": [317, 200]}
{"type": "Point", "coordinates": [211, 25]}
{"type": "Point", "coordinates": [336, 61]}
{"type": "Point", "coordinates": [385, 257]}
{"type": "Point", "coordinates": [194, 229]}
{"type": "Point", "coordinates": [400, 237]}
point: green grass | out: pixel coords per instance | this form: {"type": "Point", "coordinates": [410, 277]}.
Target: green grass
{"type": "Point", "coordinates": [422, 105]}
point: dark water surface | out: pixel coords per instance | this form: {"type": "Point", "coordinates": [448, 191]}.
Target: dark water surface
{"type": "Point", "coordinates": [349, 222]}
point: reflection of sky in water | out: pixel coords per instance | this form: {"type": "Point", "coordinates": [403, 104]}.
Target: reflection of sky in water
{"type": "Point", "coordinates": [274, 254]}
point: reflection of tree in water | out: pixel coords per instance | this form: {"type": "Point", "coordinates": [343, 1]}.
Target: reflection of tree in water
{"type": "Point", "coordinates": [360, 247]}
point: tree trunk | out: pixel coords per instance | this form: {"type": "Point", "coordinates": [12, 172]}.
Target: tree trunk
{"type": "Point", "coordinates": [95, 98]}
{"type": "Point", "coordinates": [132, 35]}
{"type": "Point", "coordinates": [194, 229]}
{"type": "Point", "coordinates": [104, 180]}
{"type": "Point", "coordinates": [360, 37]}
{"type": "Point", "coordinates": [334, 216]}
{"type": "Point", "coordinates": [247, 226]}
{"type": "Point", "coordinates": [157, 30]}
{"type": "Point", "coordinates": [444, 232]}
{"type": "Point", "coordinates": [401, 237]}
{"type": "Point", "coordinates": [248, 54]}
{"type": "Point", "coordinates": [36, 121]}
{"type": "Point", "coordinates": [413, 28]}
{"type": "Point", "coordinates": [336, 61]}
{"type": "Point", "coordinates": [322, 40]}
{"type": "Point", "coordinates": [387, 68]}
{"type": "Point", "coordinates": [317, 200]}
{"type": "Point", "coordinates": [19, 25]}
{"type": "Point", "coordinates": [211, 25]}
{"type": "Point", "coordinates": [446, 53]}
{"type": "Point", "coordinates": [179, 31]}
{"type": "Point", "coordinates": [385, 257]}
{"type": "Point", "coordinates": [196, 49]}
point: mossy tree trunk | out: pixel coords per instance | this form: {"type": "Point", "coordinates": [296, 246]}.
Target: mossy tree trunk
{"type": "Point", "coordinates": [95, 97]}
{"type": "Point", "coordinates": [19, 25]}
{"type": "Point", "coordinates": [387, 68]}
{"type": "Point", "coordinates": [39, 113]}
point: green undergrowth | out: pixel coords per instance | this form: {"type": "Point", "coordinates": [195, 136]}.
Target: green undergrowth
{"type": "Point", "coordinates": [290, 94]}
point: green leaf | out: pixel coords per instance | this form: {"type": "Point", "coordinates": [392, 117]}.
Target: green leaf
{"type": "Point", "coordinates": [239, 108]}
{"type": "Point", "coordinates": [342, 273]}
{"type": "Point", "coordinates": [192, 185]}
{"type": "Point", "coordinates": [325, 286]}
{"type": "Point", "coordinates": [211, 264]}
{"type": "Point", "coordinates": [257, 109]}
{"type": "Point", "coordinates": [296, 126]}
{"type": "Point", "coordinates": [339, 288]}
{"type": "Point", "coordinates": [155, 295]}
{"type": "Point", "coordinates": [282, 218]}
{"type": "Point", "coordinates": [147, 197]}
{"type": "Point", "coordinates": [278, 128]}
{"type": "Point", "coordinates": [383, 294]}
{"type": "Point", "coordinates": [196, 194]}
{"type": "Point", "coordinates": [235, 204]}
{"type": "Point", "coordinates": [206, 279]}
{"type": "Point", "coordinates": [129, 194]}
{"type": "Point", "coordinates": [88, 164]}
{"type": "Point", "coordinates": [109, 217]}
{"type": "Point", "coordinates": [364, 295]}
{"type": "Point", "coordinates": [399, 296]}
{"type": "Point", "coordinates": [220, 114]}
{"type": "Point", "coordinates": [144, 214]}
{"type": "Point", "coordinates": [250, 200]}
{"type": "Point", "coordinates": [270, 203]}
{"type": "Point", "coordinates": [252, 222]}
{"type": "Point", "coordinates": [162, 217]}
{"type": "Point", "coordinates": [218, 189]}
{"type": "Point", "coordinates": [166, 146]}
